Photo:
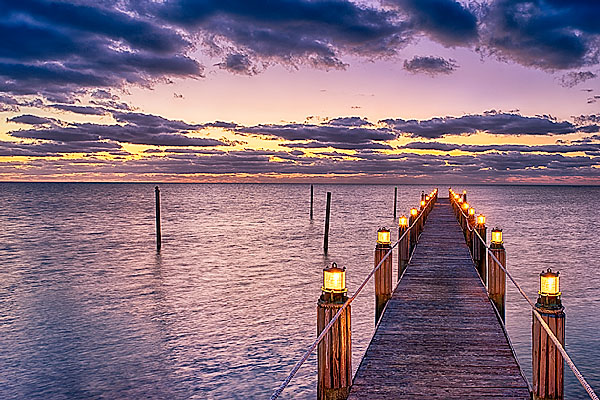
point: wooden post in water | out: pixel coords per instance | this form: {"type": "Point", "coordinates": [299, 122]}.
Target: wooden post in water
{"type": "Point", "coordinates": [464, 196]}
{"type": "Point", "coordinates": [479, 250]}
{"type": "Point", "coordinates": [496, 275]}
{"type": "Point", "coordinates": [395, 200]}
{"type": "Point", "coordinates": [548, 374]}
{"type": "Point", "coordinates": [157, 214]}
{"type": "Point", "coordinates": [334, 352]}
{"type": "Point", "coordinates": [383, 276]}
{"type": "Point", "coordinates": [327, 212]}
{"type": "Point", "coordinates": [311, 201]}
{"type": "Point", "coordinates": [403, 246]}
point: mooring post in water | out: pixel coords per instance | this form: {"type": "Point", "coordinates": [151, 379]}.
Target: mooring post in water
{"type": "Point", "coordinates": [383, 276]}
{"type": "Point", "coordinates": [479, 251]}
{"type": "Point", "coordinates": [327, 212]}
{"type": "Point", "coordinates": [548, 371]}
{"type": "Point", "coordinates": [413, 228]}
{"type": "Point", "coordinates": [496, 275]}
{"type": "Point", "coordinates": [157, 214]}
{"type": "Point", "coordinates": [395, 200]}
{"type": "Point", "coordinates": [403, 246]}
{"type": "Point", "coordinates": [464, 196]}
{"type": "Point", "coordinates": [334, 352]}
{"type": "Point", "coordinates": [311, 201]}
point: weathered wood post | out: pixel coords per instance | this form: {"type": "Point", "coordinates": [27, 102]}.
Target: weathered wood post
{"type": "Point", "coordinates": [395, 200]}
{"type": "Point", "coordinates": [422, 213]}
{"type": "Point", "coordinates": [496, 275]}
{"type": "Point", "coordinates": [403, 246]}
{"type": "Point", "coordinates": [464, 196]}
{"type": "Point", "coordinates": [413, 228]}
{"type": "Point", "coordinates": [157, 215]}
{"type": "Point", "coordinates": [548, 371]}
{"type": "Point", "coordinates": [470, 226]}
{"type": "Point", "coordinates": [463, 218]}
{"type": "Point", "coordinates": [334, 353]}
{"type": "Point", "coordinates": [383, 276]}
{"type": "Point", "coordinates": [311, 201]}
{"type": "Point", "coordinates": [327, 212]}
{"type": "Point", "coordinates": [479, 250]}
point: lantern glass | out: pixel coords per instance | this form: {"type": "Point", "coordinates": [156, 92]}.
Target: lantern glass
{"type": "Point", "coordinates": [471, 211]}
{"type": "Point", "coordinates": [549, 283]}
{"type": "Point", "coordinates": [383, 236]}
{"type": "Point", "coordinates": [403, 221]}
{"type": "Point", "coordinates": [460, 200]}
{"type": "Point", "coordinates": [334, 279]}
{"type": "Point", "coordinates": [497, 236]}
{"type": "Point", "coordinates": [413, 212]}
{"type": "Point", "coordinates": [456, 197]}
{"type": "Point", "coordinates": [427, 198]}
{"type": "Point", "coordinates": [464, 192]}
{"type": "Point", "coordinates": [481, 219]}
{"type": "Point", "coordinates": [465, 206]}
{"type": "Point", "coordinates": [422, 203]}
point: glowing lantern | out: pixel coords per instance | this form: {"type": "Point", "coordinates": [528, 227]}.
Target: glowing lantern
{"type": "Point", "coordinates": [460, 199]}
{"type": "Point", "coordinates": [456, 197]}
{"type": "Point", "coordinates": [465, 206]}
{"type": "Point", "coordinates": [497, 236]}
{"type": "Point", "coordinates": [549, 285]}
{"type": "Point", "coordinates": [422, 203]}
{"type": "Point", "coordinates": [403, 222]}
{"type": "Point", "coordinates": [427, 198]}
{"type": "Point", "coordinates": [471, 212]}
{"type": "Point", "coordinates": [464, 192]}
{"type": "Point", "coordinates": [334, 279]}
{"type": "Point", "coordinates": [383, 236]}
{"type": "Point", "coordinates": [481, 219]}
{"type": "Point", "coordinates": [414, 212]}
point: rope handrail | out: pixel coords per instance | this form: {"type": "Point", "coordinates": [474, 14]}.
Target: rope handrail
{"type": "Point", "coordinates": [327, 327]}
{"type": "Point", "coordinates": [553, 337]}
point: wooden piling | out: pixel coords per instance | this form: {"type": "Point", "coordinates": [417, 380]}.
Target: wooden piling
{"type": "Point", "coordinates": [383, 276]}
{"type": "Point", "coordinates": [548, 372]}
{"type": "Point", "coordinates": [413, 231]}
{"type": "Point", "coordinates": [334, 352]}
{"type": "Point", "coordinates": [497, 276]}
{"type": "Point", "coordinates": [395, 200]}
{"type": "Point", "coordinates": [327, 212]}
{"type": "Point", "coordinates": [157, 215]}
{"type": "Point", "coordinates": [311, 201]}
{"type": "Point", "coordinates": [403, 249]}
{"type": "Point", "coordinates": [480, 252]}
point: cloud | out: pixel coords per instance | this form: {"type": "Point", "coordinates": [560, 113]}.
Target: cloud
{"type": "Point", "coordinates": [238, 63]}
{"type": "Point", "coordinates": [574, 78]}
{"type": "Point", "coordinates": [493, 123]}
{"type": "Point", "coordinates": [84, 110]}
{"type": "Point", "coordinates": [29, 119]}
{"type": "Point", "coordinates": [554, 148]}
{"type": "Point", "coordinates": [430, 65]}
{"type": "Point", "coordinates": [546, 34]}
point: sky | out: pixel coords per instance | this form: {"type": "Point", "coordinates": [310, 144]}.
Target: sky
{"type": "Point", "coordinates": [391, 91]}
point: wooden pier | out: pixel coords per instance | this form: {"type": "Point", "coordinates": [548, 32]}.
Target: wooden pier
{"type": "Point", "coordinates": [439, 336]}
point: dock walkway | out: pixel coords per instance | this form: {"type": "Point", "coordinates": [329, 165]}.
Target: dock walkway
{"type": "Point", "coordinates": [439, 337]}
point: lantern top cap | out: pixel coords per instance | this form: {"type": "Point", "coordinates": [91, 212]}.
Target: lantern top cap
{"type": "Point", "coordinates": [334, 267]}
{"type": "Point", "coordinates": [383, 229]}
{"type": "Point", "coordinates": [549, 273]}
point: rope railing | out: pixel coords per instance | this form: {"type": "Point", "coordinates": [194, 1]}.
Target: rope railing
{"type": "Point", "coordinates": [327, 327]}
{"type": "Point", "coordinates": [543, 323]}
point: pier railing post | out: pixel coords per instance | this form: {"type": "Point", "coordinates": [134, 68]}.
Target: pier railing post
{"type": "Point", "coordinates": [548, 373]}
{"type": "Point", "coordinates": [157, 215]}
{"type": "Point", "coordinates": [479, 250]}
{"type": "Point", "coordinates": [470, 225]}
{"type": "Point", "coordinates": [395, 200]}
{"type": "Point", "coordinates": [334, 352]}
{"type": "Point", "coordinates": [496, 275]}
{"type": "Point", "coordinates": [383, 276]}
{"type": "Point", "coordinates": [327, 212]}
{"type": "Point", "coordinates": [403, 246]}
{"type": "Point", "coordinates": [413, 229]}
{"type": "Point", "coordinates": [311, 201]}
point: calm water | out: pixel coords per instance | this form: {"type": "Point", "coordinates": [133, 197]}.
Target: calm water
{"type": "Point", "coordinates": [88, 309]}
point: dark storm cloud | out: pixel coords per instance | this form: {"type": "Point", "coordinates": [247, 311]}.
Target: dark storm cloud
{"type": "Point", "coordinates": [547, 34]}
{"type": "Point", "coordinates": [430, 65]}
{"type": "Point", "coordinates": [574, 78]}
{"type": "Point", "coordinates": [498, 123]}
{"type": "Point", "coordinates": [554, 148]}
{"type": "Point", "coordinates": [446, 21]}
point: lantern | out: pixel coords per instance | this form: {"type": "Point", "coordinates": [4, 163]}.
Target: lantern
{"type": "Point", "coordinates": [456, 196]}
{"type": "Point", "coordinates": [334, 279]}
{"type": "Point", "coordinates": [465, 206]}
{"type": "Point", "coordinates": [497, 236]}
{"type": "Point", "coordinates": [460, 199]}
{"type": "Point", "coordinates": [481, 219]}
{"type": "Point", "coordinates": [471, 212]}
{"type": "Point", "coordinates": [383, 236]}
{"type": "Point", "coordinates": [422, 203]}
{"type": "Point", "coordinates": [403, 222]}
{"type": "Point", "coordinates": [427, 198]}
{"type": "Point", "coordinates": [414, 212]}
{"type": "Point", "coordinates": [549, 285]}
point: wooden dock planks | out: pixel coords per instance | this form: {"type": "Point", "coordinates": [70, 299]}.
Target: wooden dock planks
{"type": "Point", "coordinates": [439, 337]}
